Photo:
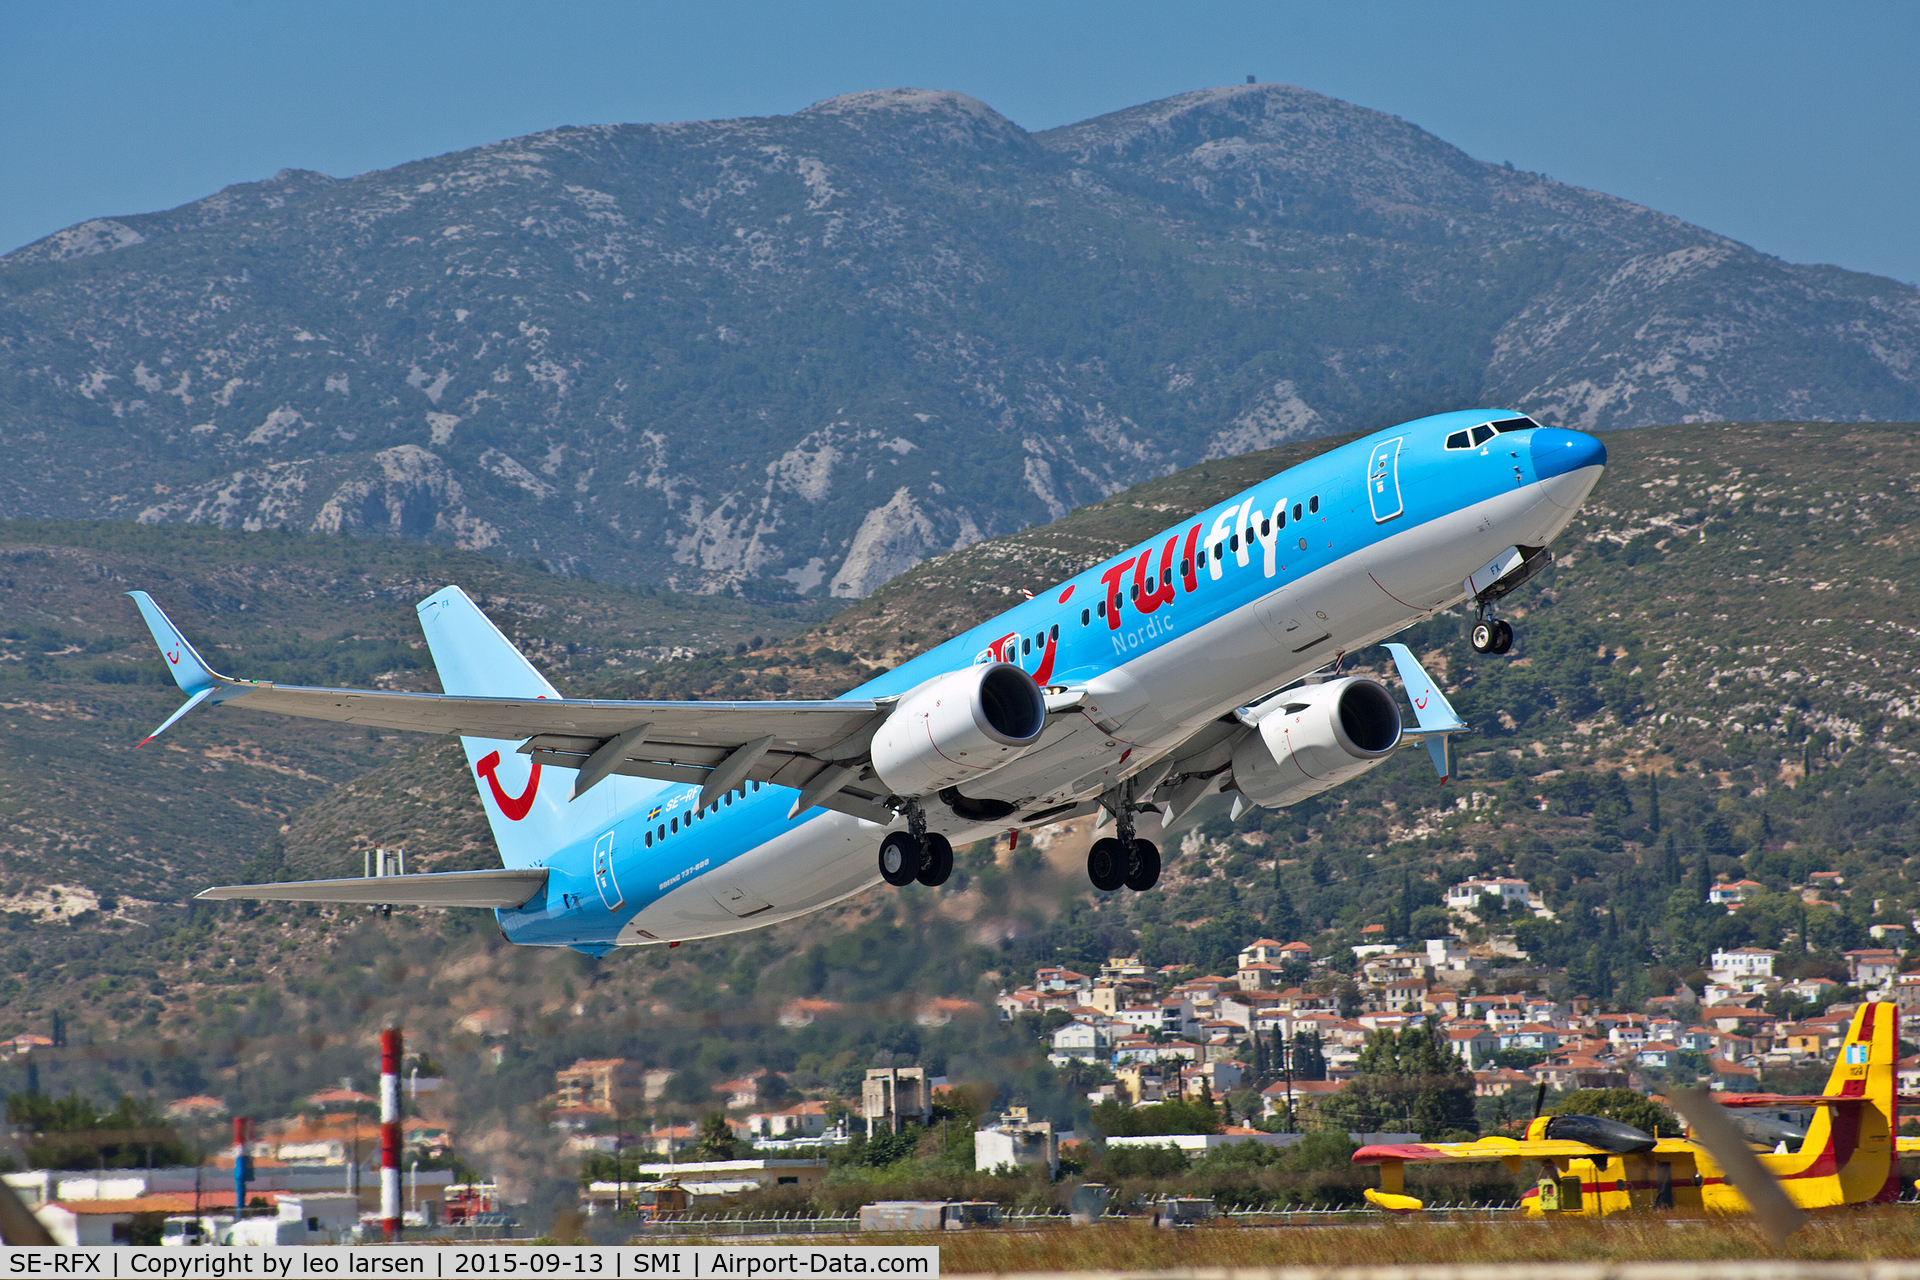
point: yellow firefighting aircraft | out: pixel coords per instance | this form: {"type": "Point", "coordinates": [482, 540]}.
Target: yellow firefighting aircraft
{"type": "Point", "coordinates": [1596, 1167]}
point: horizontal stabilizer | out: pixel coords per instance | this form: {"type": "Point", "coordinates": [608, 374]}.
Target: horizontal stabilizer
{"type": "Point", "coordinates": [502, 889]}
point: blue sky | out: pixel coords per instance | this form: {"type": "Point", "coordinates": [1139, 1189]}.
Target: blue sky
{"type": "Point", "coordinates": [1792, 127]}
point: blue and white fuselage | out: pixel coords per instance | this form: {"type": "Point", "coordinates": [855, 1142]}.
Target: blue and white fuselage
{"type": "Point", "coordinates": [1209, 614]}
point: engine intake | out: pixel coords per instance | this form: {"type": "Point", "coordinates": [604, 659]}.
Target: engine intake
{"type": "Point", "coordinates": [958, 726]}
{"type": "Point", "coordinates": [1315, 738]}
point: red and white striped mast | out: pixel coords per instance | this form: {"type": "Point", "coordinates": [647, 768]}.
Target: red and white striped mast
{"type": "Point", "coordinates": [390, 1133]}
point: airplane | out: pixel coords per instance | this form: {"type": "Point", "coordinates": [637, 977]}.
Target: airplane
{"type": "Point", "coordinates": [1196, 669]}
{"type": "Point", "coordinates": [1595, 1167]}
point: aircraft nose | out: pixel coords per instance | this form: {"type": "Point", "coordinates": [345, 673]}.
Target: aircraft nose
{"type": "Point", "coordinates": [1556, 452]}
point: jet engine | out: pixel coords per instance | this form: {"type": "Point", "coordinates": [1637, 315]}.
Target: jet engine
{"type": "Point", "coordinates": [957, 727]}
{"type": "Point", "coordinates": [1316, 737]}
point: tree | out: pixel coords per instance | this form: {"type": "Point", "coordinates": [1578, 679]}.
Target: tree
{"type": "Point", "coordinates": [1624, 1105]}
{"type": "Point", "coordinates": [716, 1140]}
{"type": "Point", "coordinates": [1411, 1080]}
{"type": "Point", "coordinates": [131, 1136]}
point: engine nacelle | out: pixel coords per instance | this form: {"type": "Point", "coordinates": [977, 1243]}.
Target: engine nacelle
{"type": "Point", "coordinates": [957, 727]}
{"type": "Point", "coordinates": [1317, 737]}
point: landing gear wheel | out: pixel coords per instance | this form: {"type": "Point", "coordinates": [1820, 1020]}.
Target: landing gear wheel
{"type": "Point", "coordinates": [1107, 864]}
{"type": "Point", "coordinates": [1502, 637]}
{"type": "Point", "coordinates": [1482, 636]}
{"type": "Point", "coordinates": [936, 863]}
{"type": "Point", "coordinates": [900, 858]}
{"type": "Point", "coordinates": [1145, 871]}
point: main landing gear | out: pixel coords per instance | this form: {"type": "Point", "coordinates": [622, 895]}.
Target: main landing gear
{"type": "Point", "coordinates": [916, 854]}
{"type": "Point", "coordinates": [1490, 634]}
{"type": "Point", "coordinates": [1125, 860]}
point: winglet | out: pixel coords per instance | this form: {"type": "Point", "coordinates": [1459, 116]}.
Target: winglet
{"type": "Point", "coordinates": [1431, 709]}
{"type": "Point", "coordinates": [190, 670]}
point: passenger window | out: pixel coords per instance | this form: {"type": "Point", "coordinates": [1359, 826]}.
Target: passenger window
{"type": "Point", "coordinates": [1459, 440]}
{"type": "Point", "coordinates": [1234, 542]}
{"type": "Point", "coordinates": [1313, 504]}
{"type": "Point", "coordinates": [1266, 528]}
{"type": "Point", "coordinates": [1086, 616]}
{"type": "Point", "coordinates": [1296, 511]}
{"type": "Point", "coordinates": [1053, 632]}
{"type": "Point", "coordinates": [649, 839]}
{"type": "Point", "coordinates": [1101, 608]}
{"type": "Point", "coordinates": [674, 825]}
{"type": "Point", "coordinates": [1482, 434]}
{"type": "Point", "coordinates": [1026, 645]}
{"type": "Point", "coordinates": [1218, 550]}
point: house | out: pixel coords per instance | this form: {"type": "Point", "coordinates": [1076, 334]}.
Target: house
{"type": "Point", "coordinates": [1578, 1071]}
{"type": "Point", "coordinates": [198, 1107]}
{"type": "Point", "coordinates": [802, 1120]}
{"type": "Point", "coordinates": [1743, 962]}
{"type": "Point", "coordinates": [1081, 1040]}
{"type": "Point", "coordinates": [1732, 895]}
{"type": "Point", "coordinates": [1907, 1074]}
{"type": "Point", "coordinates": [1055, 979]}
{"type": "Point", "coordinates": [802, 1012]}
{"type": "Point", "coordinates": [1141, 1082]}
{"type": "Point", "coordinates": [1657, 1054]}
{"type": "Point", "coordinates": [1305, 1096]}
{"type": "Point", "coordinates": [1812, 990]}
{"type": "Point", "coordinates": [340, 1099]}
{"type": "Point", "coordinates": [1465, 896]}
{"type": "Point", "coordinates": [1258, 975]}
{"type": "Point", "coordinates": [1491, 1084]}
{"type": "Point", "coordinates": [1397, 993]}
{"type": "Point", "coordinates": [941, 1010]}
{"type": "Point", "coordinates": [1265, 951]}
{"type": "Point", "coordinates": [1476, 1044]}
{"type": "Point", "coordinates": [670, 1138]}
{"type": "Point", "coordinates": [1537, 1036]}
{"type": "Point", "coordinates": [607, 1085]}
{"type": "Point", "coordinates": [1871, 966]}
{"type": "Point", "coordinates": [1731, 1076]}
{"type": "Point", "coordinates": [1890, 935]}
{"type": "Point", "coordinates": [1825, 880]}
{"type": "Point", "coordinates": [1119, 967]}
{"type": "Point", "coordinates": [1215, 1079]}
{"type": "Point", "coordinates": [735, 1094]}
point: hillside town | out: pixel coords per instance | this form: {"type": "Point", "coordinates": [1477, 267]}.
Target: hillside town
{"type": "Point", "coordinates": [1279, 1038]}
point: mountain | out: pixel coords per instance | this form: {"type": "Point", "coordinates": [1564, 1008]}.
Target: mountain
{"type": "Point", "coordinates": [805, 352]}
{"type": "Point", "coordinates": [1731, 614]}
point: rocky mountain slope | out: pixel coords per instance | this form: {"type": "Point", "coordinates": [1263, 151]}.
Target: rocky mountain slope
{"type": "Point", "coordinates": [806, 352]}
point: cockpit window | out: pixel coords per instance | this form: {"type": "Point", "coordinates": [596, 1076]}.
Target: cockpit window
{"type": "Point", "coordinates": [1479, 435]}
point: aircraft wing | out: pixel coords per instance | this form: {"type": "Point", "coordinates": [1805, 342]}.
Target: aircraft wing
{"type": "Point", "coordinates": [803, 744]}
{"type": "Point", "coordinates": [1793, 1100]}
{"type": "Point", "coordinates": [1907, 1145]}
{"type": "Point", "coordinates": [1511, 1150]}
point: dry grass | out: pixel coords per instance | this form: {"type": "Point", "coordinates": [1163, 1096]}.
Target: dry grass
{"type": "Point", "coordinates": [1854, 1235]}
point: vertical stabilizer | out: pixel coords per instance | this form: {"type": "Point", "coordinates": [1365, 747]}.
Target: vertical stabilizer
{"type": "Point", "coordinates": [1858, 1137]}
{"type": "Point", "coordinates": [528, 812]}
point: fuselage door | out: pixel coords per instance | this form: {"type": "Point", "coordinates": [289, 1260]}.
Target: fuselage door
{"type": "Point", "coordinates": [603, 875]}
{"type": "Point", "coordinates": [1383, 480]}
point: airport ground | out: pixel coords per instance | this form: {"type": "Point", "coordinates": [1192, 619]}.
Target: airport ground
{"type": "Point", "coordinates": [1853, 1237]}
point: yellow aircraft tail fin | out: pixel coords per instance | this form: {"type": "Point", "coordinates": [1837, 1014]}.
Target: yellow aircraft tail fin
{"type": "Point", "coordinates": [1853, 1141]}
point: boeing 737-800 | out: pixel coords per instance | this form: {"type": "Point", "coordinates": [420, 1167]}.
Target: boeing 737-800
{"type": "Point", "coordinates": [1197, 668]}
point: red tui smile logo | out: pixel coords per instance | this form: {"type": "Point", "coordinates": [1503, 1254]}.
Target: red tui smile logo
{"type": "Point", "coordinates": [515, 807]}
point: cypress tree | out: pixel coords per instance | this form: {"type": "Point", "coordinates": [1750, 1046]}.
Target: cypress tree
{"type": "Point", "coordinates": [1653, 803]}
{"type": "Point", "coordinates": [1706, 874]}
{"type": "Point", "coordinates": [1673, 862]}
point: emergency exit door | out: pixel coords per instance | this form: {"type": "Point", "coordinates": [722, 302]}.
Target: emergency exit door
{"type": "Point", "coordinates": [1383, 480]}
